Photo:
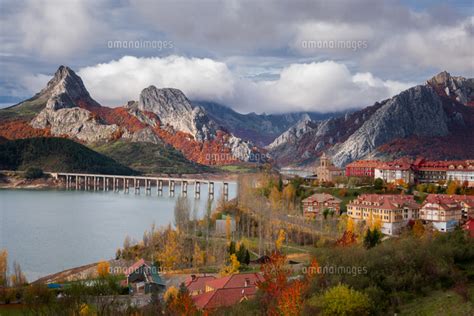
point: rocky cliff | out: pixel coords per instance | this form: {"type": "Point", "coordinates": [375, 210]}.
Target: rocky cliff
{"type": "Point", "coordinates": [437, 112]}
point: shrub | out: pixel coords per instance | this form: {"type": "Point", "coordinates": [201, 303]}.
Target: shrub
{"type": "Point", "coordinates": [341, 300]}
{"type": "Point", "coordinates": [33, 173]}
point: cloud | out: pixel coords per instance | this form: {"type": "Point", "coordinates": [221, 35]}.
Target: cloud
{"type": "Point", "coordinates": [324, 86]}
{"type": "Point", "coordinates": [121, 80]}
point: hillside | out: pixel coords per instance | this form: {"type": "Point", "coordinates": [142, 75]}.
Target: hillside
{"type": "Point", "coordinates": [435, 120]}
{"type": "Point", "coordinates": [150, 158]}
{"type": "Point", "coordinates": [57, 154]}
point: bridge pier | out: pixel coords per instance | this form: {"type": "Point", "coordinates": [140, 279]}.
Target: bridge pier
{"type": "Point", "coordinates": [226, 191]}
{"type": "Point", "coordinates": [159, 187]}
{"type": "Point", "coordinates": [211, 190]}
{"type": "Point", "coordinates": [184, 188]}
{"type": "Point", "coordinates": [197, 190]}
{"type": "Point", "coordinates": [125, 186]}
{"type": "Point", "coordinates": [171, 187]}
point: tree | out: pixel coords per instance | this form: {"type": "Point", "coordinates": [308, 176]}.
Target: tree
{"type": "Point", "coordinates": [33, 173]}
{"type": "Point", "coordinates": [243, 254]}
{"type": "Point", "coordinates": [280, 183]}
{"type": "Point", "coordinates": [378, 184]}
{"type": "Point", "coordinates": [290, 301]}
{"type": "Point", "coordinates": [103, 269]}
{"type": "Point", "coordinates": [289, 194]}
{"type": "Point", "coordinates": [326, 213]}
{"type": "Point", "coordinates": [18, 278]}
{"type": "Point", "coordinates": [452, 187]}
{"type": "Point", "coordinates": [418, 228]}
{"type": "Point", "coordinates": [343, 301]}
{"type": "Point", "coordinates": [275, 198]}
{"type": "Point", "coordinates": [228, 227]}
{"type": "Point", "coordinates": [181, 214]}
{"type": "Point", "coordinates": [232, 267]}
{"type": "Point", "coordinates": [280, 240]}
{"type": "Point", "coordinates": [372, 238]}
{"type": "Point", "coordinates": [3, 267]}
{"type": "Point", "coordinates": [180, 303]}
{"type": "Point", "coordinates": [199, 256]}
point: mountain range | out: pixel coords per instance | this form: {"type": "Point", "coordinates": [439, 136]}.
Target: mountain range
{"type": "Point", "coordinates": [435, 120]}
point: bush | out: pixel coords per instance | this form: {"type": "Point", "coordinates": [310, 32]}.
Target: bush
{"type": "Point", "coordinates": [33, 173]}
{"type": "Point", "coordinates": [342, 300]}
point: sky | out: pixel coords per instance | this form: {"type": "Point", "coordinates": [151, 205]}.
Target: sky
{"type": "Point", "coordinates": [253, 56]}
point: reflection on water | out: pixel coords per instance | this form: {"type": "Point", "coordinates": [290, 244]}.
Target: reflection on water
{"type": "Point", "coordinates": [49, 231]}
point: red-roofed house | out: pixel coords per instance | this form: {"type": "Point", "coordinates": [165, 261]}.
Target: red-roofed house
{"type": "Point", "coordinates": [362, 168]}
{"type": "Point", "coordinates": [393, 211]}
{"type": "Point", "coordinates": [197, 284]}
{"type": "Point", "coordinates": [469, 226]}
{"type": "Point", "coordinates": [316, 203]}
{"type": "Point", "coordinates": [445, 212]}
{"type": "Point", "coordinates": [399, 170]}
{"type": "Point", "coordinates": [228, 290]}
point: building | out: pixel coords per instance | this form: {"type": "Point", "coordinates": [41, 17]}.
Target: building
{"type": "Point", "coordinates": [326, 171]}
{"type": "Point", "coordinates": [143, 278]}
{"type": "Point", "coordinates": [316, 203]}
{"type": "Point", "coordinates": [393, 211]}
{"type": "Point", "coordinates": [197, 284]}
{"type": "Point", "coordinates": [469, 226]}
{"type": "Point", "coordinates": [362, 168]}
{"type": "Point", "coordinates": [395, 171]}
{"type": "Point", "coordinates": [443, 211]}
{"type": "Point", "coordinates": [463, 172]}
{"type": "Point", "coordinates": [227, 291]}
{"type": "Point", "coordinates": [430, 171]}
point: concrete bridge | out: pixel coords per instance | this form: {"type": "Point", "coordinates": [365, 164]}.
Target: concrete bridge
{"type": "Point", "coordinates": [117, 183]}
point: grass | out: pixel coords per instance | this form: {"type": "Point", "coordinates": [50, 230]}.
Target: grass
{"type": "Point", "coordinates": [237, 169]}
{"type": "Point", "coordinates": [440, 303]}
{"type": "Point", "coordinates": [12, 310]}
{"type": "Point", "coordinates": [26, 111]}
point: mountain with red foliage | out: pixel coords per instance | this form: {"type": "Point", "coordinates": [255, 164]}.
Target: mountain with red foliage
{"type": "Point", "coordinates": [65, 108]}
{"type": "Point", "coordinates": [435, 120]}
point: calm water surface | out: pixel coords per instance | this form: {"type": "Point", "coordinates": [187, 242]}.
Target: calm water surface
{"type": "Point", "coordinates": [49, 231]}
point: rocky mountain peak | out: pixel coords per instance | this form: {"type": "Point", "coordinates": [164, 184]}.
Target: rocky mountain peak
{"type": "Point", "coordinates": [457, 88]}
{"type": "Point", "coordinates": [65, 89]}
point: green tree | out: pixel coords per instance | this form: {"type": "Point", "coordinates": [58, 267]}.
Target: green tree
{"type": "Point", "coordinates": [33, 173]}
{"type": "Point", "coordinates": [372, 237]}
{"type": "Point", "coordinates": [378, 184]}
{"type": "Point", "coordinates": [342, 300]}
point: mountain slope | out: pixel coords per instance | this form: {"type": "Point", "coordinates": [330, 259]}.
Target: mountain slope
{"type": "Point", "coordinates": [161, 116]}
{"type": "Point", "coordinates": [437, 117]}
{"type": "Point", "coordinates": [261, 129]}
{"type": "Point", "coordinates": [56, 154]}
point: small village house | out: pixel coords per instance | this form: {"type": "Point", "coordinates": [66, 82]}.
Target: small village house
{"type": "Point", "coordinates": [143, 278]}
{"type": "Point", "coordinates": [315, 205]}
{"type": "Point", "coordinates": [445, 212]}
{"type": "Point", "coordinates": [392, 211]}
{"type": "Point", "coordinates": [362, 168]}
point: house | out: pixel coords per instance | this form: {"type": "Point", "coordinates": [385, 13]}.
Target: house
{"type": "Point", "coordinates": [445, 211]}
{"type": "Point", "coordinates": [326, 171]}
{"type": "Point", "coordinates": [469, 226]}
{"type": "Point", "coordinates": [197, 284]}
{"type": "Point", "coordinates": [362, 168]}
{"type": "Point", "coordinates": [393, 211]}
{"type": "Point", "coordinates": [143, 278]}
{"type": "Point", "coordinates": [462, 171]}
{"type": "Point", "coordinates": [316, 203]}
{"type": "Point", "coordinates": [395, 171]}
{"type": "Point", "coordinates": [227, 291]}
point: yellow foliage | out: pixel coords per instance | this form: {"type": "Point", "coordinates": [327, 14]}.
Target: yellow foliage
{"type": "Point", "coordinates": [275, 197]}
{"type": "Point", "coordinates": [350, 225]}
{"type": "Point", "coordinates": [228, 227]}
{"type": "Point", "coordinates": [233, 266]}
{"type": "Point", "coordinates": [3, 267]}
{"type": "Point", "coordinates": [170, 293]}
{"type": "Point", "coordinates": [280, 240]}
{"type": "Point", "coordinates": [84, 310]}
{"type": "Point", "coordinates": [103, 269]}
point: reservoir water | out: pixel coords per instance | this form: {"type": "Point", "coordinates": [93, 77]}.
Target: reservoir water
{"type": "Point", "coordinates": [47, 231]}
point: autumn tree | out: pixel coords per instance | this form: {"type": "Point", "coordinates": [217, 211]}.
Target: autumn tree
{"type": "Point", "coordinates": [280, 240]}
{"type": "Point", "coordinates": [418, 229]}
{"type": "Point", "coordinates": [344, 301]}
{"type": "Point", "coordinates": [372, 237]}
{"type": "Point", "coordinates": [18, 278]}
{"type": "Point", "coordinates": [180, 303]}
{"type": "Point", "coordinates": [275, 198]}
{"type": "Point", "coordinates": [232, 267]}
{"type": "Point", "coordinates": [103, 269]}
{"type": "Point", "coordinates": [181, 214]}
{"type": "Point", "coordinates": [3, 267]}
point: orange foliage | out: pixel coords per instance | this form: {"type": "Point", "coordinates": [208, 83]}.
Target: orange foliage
{"type": "Point", "coordinates": [17, 129]}
{"type": "Point", "coordinates": [347, 239]}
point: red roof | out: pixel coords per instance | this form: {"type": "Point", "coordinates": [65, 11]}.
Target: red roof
{"type": "Point", "coordinates": [364, 164]}
{"type": "Point", "coordinates": [235, 280]}
{"type": "Point", "coordinates": [223, 297]}
{"type": "Point", "coordinates": [321, 198]}
{"type": "Point", "coordinates": [386, 201]}
{"type": "Point", "coordinates": [135, 266]}
{"type": "Point", "coordinates": [449, 201]}
{"type": "Point", "coordinates": [198, 283]}
{"type": "Point", "coordinates": [469, 226]}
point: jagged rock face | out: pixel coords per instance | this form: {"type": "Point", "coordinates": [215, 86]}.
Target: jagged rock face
{"type": "Point", "coordinates": [75, 123]}
{"type": "Point", "coordinates": [65, 90]}
{"type": "Point", "coordinates": [417, 111]}
{"type": "Point", "coordinates": [294, 133]}
{"type": "Point", "coordinates": [432, 111]}
{"type": "Point", "coordinates": [173, 108]}
{"type": "Point", "coordinates": [460, 88]}
{"type": "Point", "coordinates": [65, 93]}
{"type": "Point", "coordinates": [145, 135]}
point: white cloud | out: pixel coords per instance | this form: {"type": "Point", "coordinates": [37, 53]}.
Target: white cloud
{"type": "Point", "coordinates": [121, 80]}
{"type": "Point", "coordinates": [325, 86]}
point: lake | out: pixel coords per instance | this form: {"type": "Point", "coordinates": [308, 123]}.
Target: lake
{"type": "Point", "coordinates": [47, 231]}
